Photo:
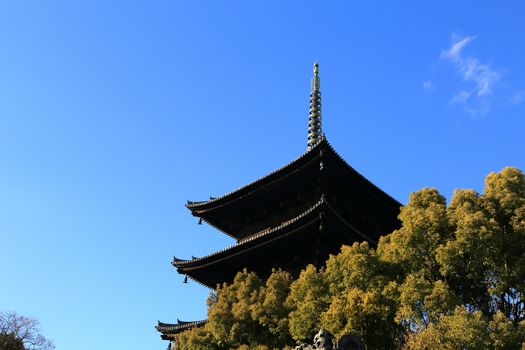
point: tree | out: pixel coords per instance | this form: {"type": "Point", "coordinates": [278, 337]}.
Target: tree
{"type": "Point", "coordinates": [230, 316]}
{"type": "Point", "coordinates": [452, 277]}
{"type": "Point", "coordinates": [470, 255]}
{"type": "Point", "coordinates": [21, 333]}
{"type": "Point", "coordinates": [247, 314]}
{"type": "Point", "coordinates": [468, 330]}
{"type": "Point", "coordinates": [308, 299]}
{"type": "Point", "coordinates": [10, 342]}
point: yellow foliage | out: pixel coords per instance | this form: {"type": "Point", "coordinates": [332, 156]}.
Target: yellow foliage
{"type": "Point", "coordinates": [452, 277]}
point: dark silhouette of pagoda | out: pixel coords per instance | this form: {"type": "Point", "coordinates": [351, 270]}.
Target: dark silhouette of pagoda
{"type": "Point", "coordinates": [295, 216]}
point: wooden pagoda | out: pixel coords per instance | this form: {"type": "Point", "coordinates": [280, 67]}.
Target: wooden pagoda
{"type": "Point", "coordinates": [295, 216]}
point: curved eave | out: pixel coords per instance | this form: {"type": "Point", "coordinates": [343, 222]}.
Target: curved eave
{"type": "Point", "coordinates": [240, 245]}
{"type": "Point", "coordinates": [198, 207]}
{"type": "Point", "coordinates": [290, 171]}
{"type": "Point", "coordinates": [362, 177]}
{"type": "Point", "coordinates": [175, 328]}
{"type": "Point", "coordinates": [267, 236]}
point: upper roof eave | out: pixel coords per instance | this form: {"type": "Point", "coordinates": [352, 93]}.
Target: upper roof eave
{"type": "Point", "coordinates": [362, 176]}
{"type": "Point", "coordinates": [201, 205]}
{"type": "Point", "coordinates": [195, 205]}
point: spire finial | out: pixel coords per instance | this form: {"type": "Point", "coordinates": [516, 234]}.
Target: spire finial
{"type": "Point", "coordinates": [315, 125]}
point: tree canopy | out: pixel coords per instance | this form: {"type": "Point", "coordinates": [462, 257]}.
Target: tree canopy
{"type": "Point", "coordinates": [21, 333]}
{"type": "Point", "coordinates": [452, 277]}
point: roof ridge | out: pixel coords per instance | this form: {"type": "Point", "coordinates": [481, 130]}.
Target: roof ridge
{"type": "Point", "coordinates": [361, 175]}
{"type": "Point", "coordinates": [191, 204]}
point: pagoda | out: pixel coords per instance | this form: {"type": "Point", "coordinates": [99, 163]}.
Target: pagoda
{"type": "Point", "coordinates": [296, 215]}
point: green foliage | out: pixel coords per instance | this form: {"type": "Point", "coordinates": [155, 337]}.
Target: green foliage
{"type": "Point", "coordinates": [361, 297]}
{"type": "Point", "coordinates": [247, 314]}
{"type": "Point", "coordinates": [308, 299]}
{"type": "Point", "coordinates": [271, 311]}
{"type": "Point", "coordinates": [196, 339]}
{"type": "Point", "coordinates": [230, 318]}
{"type": "Point", "coordinates": [425, 227]}
{"type": "Point", "coordinates": [469, 330]}
{"type": "Point", "coordinates": [452, 277]}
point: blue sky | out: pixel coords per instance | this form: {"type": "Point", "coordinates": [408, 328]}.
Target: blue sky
{"type": "Point", "coordinates": [113, 114]}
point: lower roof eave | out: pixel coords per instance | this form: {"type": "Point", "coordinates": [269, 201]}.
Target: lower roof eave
{"type": "Point", "coordinates": [171, 329]}
{"type": "Point", "coordinates": [309, 222]}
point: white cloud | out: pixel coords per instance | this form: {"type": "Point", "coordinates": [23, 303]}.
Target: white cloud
{"type": "Point", "coordinates": [518, 97]}
{"type": "Point", "coordinates": [457, 45]}
{"type": "Point", "coordinates": [461, 97]}
{"type": "Point", "coordinates": [481, 76]}
{"type": "Point", "coordinates": [428, 86]}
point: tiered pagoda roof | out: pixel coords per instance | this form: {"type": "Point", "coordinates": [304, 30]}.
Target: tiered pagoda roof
{"type": "Point", "coordinates": [283, 213]}
{"type": "Point", "coordinates": [238, 213]}
{"type": "Point", "coordinates": [169, 330]}
{"type": "Point", "coordinates": [296, 215]}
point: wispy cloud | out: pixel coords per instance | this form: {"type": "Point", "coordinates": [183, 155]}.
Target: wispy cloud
{"type": "Point", "coordinates": [462, 97]}
{"type": "Point", "coordinates": [458, 43]}
{"type": "Point", "coordinates": [480, 77]}
{"type": "Point", "coordinates": [428, 86]}
{"type": "Point", "coordinates": [518, 97]}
